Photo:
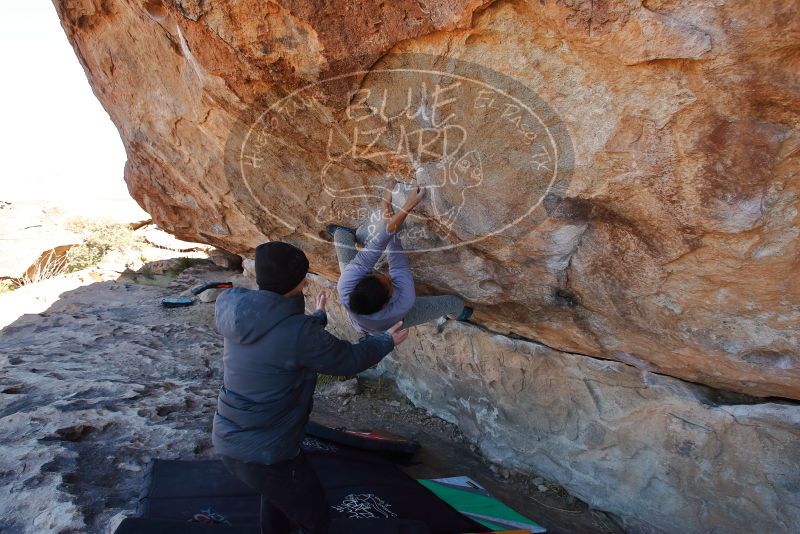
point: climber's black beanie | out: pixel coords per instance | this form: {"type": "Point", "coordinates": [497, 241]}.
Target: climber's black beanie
{"type": "Point", "coordinates": [279, 267]}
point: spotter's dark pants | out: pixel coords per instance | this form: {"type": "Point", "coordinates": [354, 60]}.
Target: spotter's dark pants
{"type": "Point", "coordinates": [292, 498]}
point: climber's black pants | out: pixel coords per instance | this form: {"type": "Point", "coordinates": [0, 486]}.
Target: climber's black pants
{"type": "Point", "coordinates": [292, 498]}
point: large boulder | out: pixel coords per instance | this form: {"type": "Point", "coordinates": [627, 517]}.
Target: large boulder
{"type": "Point", "coordinates": [668, 240]}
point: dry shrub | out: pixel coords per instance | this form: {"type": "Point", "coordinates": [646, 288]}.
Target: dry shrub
{"type": "Point", "coordinates": [99, 239]}
{"type": "Point", "coordinates": [50, 264]}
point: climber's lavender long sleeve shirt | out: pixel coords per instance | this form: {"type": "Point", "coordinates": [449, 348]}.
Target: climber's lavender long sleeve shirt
{"type": "Point", "coordinates": [403, 294]}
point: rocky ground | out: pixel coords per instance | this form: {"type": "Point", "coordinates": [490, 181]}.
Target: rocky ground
{"type": "Point", "coordinates": [51, 247]}
{"type": "Point", "coordinates": [106, 379]}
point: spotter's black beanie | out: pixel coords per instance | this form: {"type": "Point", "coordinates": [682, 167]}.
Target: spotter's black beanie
{"type": "Point", "coordinates": [279, 267]}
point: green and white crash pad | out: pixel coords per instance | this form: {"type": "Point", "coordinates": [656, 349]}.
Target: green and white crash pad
{"type": "Point", "coordinates": [472, 500]}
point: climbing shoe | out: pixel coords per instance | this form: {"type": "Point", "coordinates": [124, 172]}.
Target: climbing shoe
{"type": "Point", "coordinates": [331, 229]}
{"type": "Point", "coordinates": [466, 313]}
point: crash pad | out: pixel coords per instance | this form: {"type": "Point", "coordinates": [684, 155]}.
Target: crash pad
{"type": "Point", "coordinates": [369, 440]}
{"type": "Point", "coordinates": [474, 501]}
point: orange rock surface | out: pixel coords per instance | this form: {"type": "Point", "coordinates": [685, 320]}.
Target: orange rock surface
{"type": "Point", "coordinates": [669, 241]}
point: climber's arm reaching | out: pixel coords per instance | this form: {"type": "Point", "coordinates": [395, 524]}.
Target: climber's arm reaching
{"type": "Point", "coordinates": [365, 260]}
{"type": "Point", "coordinates": [396, 220]}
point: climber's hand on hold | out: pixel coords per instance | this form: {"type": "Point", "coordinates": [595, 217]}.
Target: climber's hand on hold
{"type": "Point", "coordinates": [322, 301]}
{"type": "Point", "coordinates": [414, 198]}
{"type": "Point", "coordinates": [398, 336]}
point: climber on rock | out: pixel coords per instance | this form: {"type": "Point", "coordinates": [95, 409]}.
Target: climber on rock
{"type": "Point", "coordinates": [375, 300]}
{"type": "Point", "coordinates": [272, 354]}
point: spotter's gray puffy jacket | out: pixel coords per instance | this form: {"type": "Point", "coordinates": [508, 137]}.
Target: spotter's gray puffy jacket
{"type": "Point", "coordinates": [272, 355]}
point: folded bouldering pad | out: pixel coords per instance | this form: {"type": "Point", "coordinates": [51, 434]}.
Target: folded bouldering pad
{"type": "Point", "coordinates": [369, 440]}
{"type": "Point", "coordinates": [472, 500]}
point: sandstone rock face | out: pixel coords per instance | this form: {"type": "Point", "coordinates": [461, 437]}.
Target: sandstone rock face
{"type": "Point", "coordinates": [669, 240]}
{"type": "Point", "coordinates": [661, 454]}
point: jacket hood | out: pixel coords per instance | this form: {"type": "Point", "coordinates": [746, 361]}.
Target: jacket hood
{"type": "Point", "coordinates": [245, 316]}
